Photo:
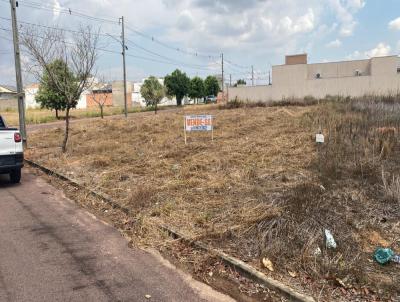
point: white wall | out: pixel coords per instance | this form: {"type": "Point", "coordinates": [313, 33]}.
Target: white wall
{"type": "Point", "coordinates": [138, 100]}
{"type": "Point", "coordinates": [379, 76]}
{"type": "Point", "coordinates": [30, 94]}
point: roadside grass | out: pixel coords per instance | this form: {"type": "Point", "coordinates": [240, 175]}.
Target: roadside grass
{"type": "Point", "coordinates": [41, 116]}
{"type": "Point", "coordinates": [262, 188]}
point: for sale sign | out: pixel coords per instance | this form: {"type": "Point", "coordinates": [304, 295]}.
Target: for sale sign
{"type": "Point", "coordinates": [198, 123]}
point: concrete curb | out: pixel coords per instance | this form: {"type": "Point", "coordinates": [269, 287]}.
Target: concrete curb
{"type": "Point", "coordinates": [239, 265]}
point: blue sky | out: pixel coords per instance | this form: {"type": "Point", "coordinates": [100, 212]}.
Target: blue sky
{"type": "Point", "coordinates": [248, 32]}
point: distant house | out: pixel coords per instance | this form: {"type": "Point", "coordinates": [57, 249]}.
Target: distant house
{"type": "Point", "coordinates": [8, 97]}
{"type": "Point", "coordinates": [100, 92]}
{"type": "Point", "coordinates": [139, 101]}
{"type": "Point", "coordinates": [7, 92]}
{"type": "Point", "coordinates": [30, 93]}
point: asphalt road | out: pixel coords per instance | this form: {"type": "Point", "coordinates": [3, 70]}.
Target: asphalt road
{"type": "Point", "coordinates": [53, 250]}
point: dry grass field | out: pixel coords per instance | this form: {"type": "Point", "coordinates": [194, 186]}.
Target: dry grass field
{"type": "Point", "coordinates": [40, 116]}
{"type": "Point", "coordinates": [262, 188]}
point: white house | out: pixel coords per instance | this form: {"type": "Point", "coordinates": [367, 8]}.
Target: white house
{"type": "Point", "coordinates": [138, 100]}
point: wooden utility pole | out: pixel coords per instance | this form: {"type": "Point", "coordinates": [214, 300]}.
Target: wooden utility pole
{"type": "Point", "coordinates": [18, 73]}
{"type": "Point", "coordinates": [124, 66]}
{"type": "Point", "coordinates": [269, 77]}
{"type": "Point", "coordinates": [230, 80]}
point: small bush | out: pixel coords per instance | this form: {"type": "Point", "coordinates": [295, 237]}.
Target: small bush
{"type": "Point", "coordinates": [234, 104]}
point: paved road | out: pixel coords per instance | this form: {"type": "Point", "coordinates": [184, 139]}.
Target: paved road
{"type": "Point", "coordinates": [52, 250]}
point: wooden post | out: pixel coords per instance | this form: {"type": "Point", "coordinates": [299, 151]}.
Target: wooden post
{"type": "Point", "coordinates": [184, 128]}
{"type": "Point", "coordinates": [212, 128]}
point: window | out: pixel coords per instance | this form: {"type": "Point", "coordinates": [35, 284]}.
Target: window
{"type": "Point", "coordinates": [318, 76]}
{"type": "Point", "coordinates": [398, 69]}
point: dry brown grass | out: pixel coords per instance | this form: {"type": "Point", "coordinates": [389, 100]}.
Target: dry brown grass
{"type": "Point", "coordinates": [201, 187]}
{"type": "Point", "coordinates": [255, 191]}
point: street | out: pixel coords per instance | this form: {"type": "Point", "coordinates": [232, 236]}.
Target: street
{"type": "Point", "coordinates": [53, 250]}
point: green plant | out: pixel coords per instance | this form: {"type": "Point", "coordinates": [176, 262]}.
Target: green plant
{"type": "Point", "coordinates": [177, 84]}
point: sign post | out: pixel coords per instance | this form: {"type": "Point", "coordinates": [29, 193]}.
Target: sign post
{"type": "Point", "coordinates": [198, 123]}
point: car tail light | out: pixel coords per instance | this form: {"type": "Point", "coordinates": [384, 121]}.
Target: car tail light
{"type": "Point", "coordinates": [17, 137]}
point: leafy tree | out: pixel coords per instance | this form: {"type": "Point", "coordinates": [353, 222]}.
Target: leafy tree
{"type": "Point", "coordinates": [196, 88]}
{"type": "Point", "coordinates": [211, 85]}
{"type": "Point", "coordinates": [65, 64]}
{"type": "Point", "coordinates": [177, 85]}
{"type": "Point", "coordinates": [153, 92]}
{"type": "Point", "coordinates": [48, 97]}
{"type": "Point", "coordinates": [240, 82]}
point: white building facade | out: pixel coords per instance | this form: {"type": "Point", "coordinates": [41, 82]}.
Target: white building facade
{"type": "Point", "coordinates": [297, 79]}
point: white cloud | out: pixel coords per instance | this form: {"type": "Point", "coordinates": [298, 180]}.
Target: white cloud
{"type": "Point", "coordinates": [380, 50]}
{"type": "Point", "coordinates": [56, 9]}
{"type": "Point", "coordinates": [334, 44]}
{"type": "Point", "coordinates": [185, 20]}
{"type": "Point", "coordinates": [355, 55]}
{"type": "Point", "coordinates": [395, 24]}
{"type": "Point", "coordinates": [345, 11]}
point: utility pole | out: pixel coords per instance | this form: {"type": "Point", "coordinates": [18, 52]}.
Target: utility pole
{"type": "Point", "coordinates": [18, 74]}
{"type": "Point", "coordinates": [230, 80]}
{"type": "Point", "coordinates": [252, 75]}
{"type": "Point", "coordinates": [269, 77]}
{"type": "Point", "coordinates": [124, 67]}
{"type": "Point", "coordinates": [222, 64]}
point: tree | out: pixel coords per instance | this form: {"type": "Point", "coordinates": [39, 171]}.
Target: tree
{"type": "Point", "coordinates": [211, 85]}
{"type": "Point", "coordinates": [153, 92]}
{"type": "Point", "coordinates": [47, 96]}
{"type": "Point", "coordinates": [240, 82]}
{"type": "Point", "coordinates": [177, 85]}
{"type": "Point", "coordinates": [196, 88]}
{"type": "Point", "coordinates": [100, 96]}
{"type": "Point", "coordinates": [76, 56]}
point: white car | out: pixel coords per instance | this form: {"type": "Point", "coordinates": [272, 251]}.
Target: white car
{"type": "Point", "coordinates": [11, 152]}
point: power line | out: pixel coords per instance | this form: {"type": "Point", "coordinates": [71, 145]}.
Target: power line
{"type": "Point", "coordinates": [165, 57]}
{"type": "Point", "coordinates": [58, 28]}
{"type": "Point", "coordinates": [66, 11]}
{"type": "Point", "coordinates": [79, 13]}
{"type": "Point", "coordinates": [178, 49]}
{"type": "Point", "coordinates": [128, 55]}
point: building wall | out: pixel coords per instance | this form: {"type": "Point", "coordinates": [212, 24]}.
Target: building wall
{"type": "Point", "coordinates": [103, 97]}
{"type": "Point", "coordinates": [296, 59]}
{"type": "Point", "coordinates": [118, 93]}
{"type": "Point", "coordinates": [30, 94]}
{"type": "Point", "coordinates": [379, 76]}
{"type": "Point", "coordinates": [8, 104]}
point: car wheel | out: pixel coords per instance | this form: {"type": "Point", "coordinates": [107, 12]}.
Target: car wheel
{"type": "Point", "coordinates": [15, 176]}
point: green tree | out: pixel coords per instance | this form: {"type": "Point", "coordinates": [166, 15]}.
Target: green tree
{"type": "Point", "coordinates": [196, 88]}
{"type": "Point", "coordinates": [49, 98]}
{"type": "Point", "coordinates": [64, 64]}
{"type": "Point", "coordinates": [177, 84]}
{"type": "Point", "coordinates": [240, 82]}
{"type": "Point", "coordinates": [153, 92]}
{"type": "Point", "coordinates": [211, 85]}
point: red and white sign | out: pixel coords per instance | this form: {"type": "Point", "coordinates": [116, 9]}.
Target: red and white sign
{"type": "Point", "coordinates": [198, 123]}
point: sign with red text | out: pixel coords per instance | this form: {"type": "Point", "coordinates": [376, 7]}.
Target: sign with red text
{"type": "Point", "coordinates": [198, 123]}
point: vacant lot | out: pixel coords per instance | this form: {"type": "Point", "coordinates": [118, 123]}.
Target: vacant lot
{"type": "Point", "coordinates": [262, 188]}
{"type": "Point", "coordinates": [40, 116]}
